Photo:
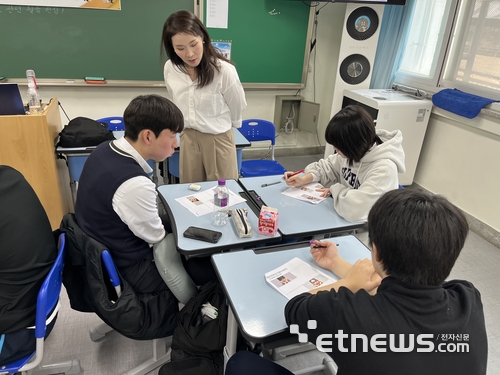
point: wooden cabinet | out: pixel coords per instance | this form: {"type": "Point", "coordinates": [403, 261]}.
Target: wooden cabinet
{"type": "Point", "coordinates": [27, 143]}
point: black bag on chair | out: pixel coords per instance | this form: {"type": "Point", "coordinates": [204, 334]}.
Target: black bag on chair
{"type": "Point", "coordinates": [198, 341]}
{"type": "Point", "coordinates": [84, 132]}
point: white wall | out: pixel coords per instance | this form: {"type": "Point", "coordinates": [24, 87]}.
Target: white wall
{"type": "Point", "coordinates": [460, 159]}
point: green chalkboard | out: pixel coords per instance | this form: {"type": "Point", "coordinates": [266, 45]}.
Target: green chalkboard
{"type": "Point", "coordinates": [72, 43]}
{"type": "Point", "coordinates": [269, 40]}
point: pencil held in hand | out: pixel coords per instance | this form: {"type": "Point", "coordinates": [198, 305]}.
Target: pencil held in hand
{"type": "Point", "coordinates": [291, 174]}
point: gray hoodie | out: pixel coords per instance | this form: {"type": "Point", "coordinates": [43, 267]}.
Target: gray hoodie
{"type": "Point", "coordinates": [356, 188]}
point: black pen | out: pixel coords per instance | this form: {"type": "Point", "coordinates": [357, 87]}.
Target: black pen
{"type": "Point", "coordinates": [272, 183]}
{"type": "Point", "coordinates": [319, 246]}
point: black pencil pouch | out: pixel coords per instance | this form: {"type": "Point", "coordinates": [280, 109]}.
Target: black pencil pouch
{"type": "Point", "coordinates": [240, 222]}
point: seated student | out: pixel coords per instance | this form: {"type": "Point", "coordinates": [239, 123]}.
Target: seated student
{"type": "Point", "coordinates": [416, 238]}
{"type": "Point", "coordinates": [365, 166]}
{"type": "Point", "coordinates": [117, 202]}
{"type": "Point", "coordinates": [27, 252]}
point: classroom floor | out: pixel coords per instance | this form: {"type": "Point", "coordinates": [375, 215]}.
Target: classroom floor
{"type": "Point", "coordinates": [479, 263]}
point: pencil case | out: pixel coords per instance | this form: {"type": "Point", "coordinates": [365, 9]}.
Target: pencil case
{"type": "Point", "coordinates": [241, 224]}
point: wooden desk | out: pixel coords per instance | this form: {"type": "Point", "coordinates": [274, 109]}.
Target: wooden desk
{"type": "Point", "coordinates": [27, 144]}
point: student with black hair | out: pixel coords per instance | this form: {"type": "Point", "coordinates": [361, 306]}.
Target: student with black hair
{"type": "Point", "coordinates": [117, 201]}
{"type": "Point", "coordinates": [416, 322]}
{"type": "Point", "coordinates": [365, 166]}
{"type": "Point", "coordinates": [207, 89]}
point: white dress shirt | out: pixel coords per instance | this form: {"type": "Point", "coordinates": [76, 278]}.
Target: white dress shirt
{"type": "Point", "coordinates": [135, 201]}
{"type": "Point", "coordinates": [212, 109]}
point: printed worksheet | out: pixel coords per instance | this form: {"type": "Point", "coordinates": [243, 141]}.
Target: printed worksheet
{"type": "Point", "coordinates": [296, 277]}
{"type": "Point", "coordinates": [202, 203]}
{"type": "Point", "coordinates": [306, 193]}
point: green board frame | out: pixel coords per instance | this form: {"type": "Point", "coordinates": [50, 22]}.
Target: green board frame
{"type": "Point", "coordinates": [269, 41]}
{"type": "Point", "coordinates": [67, 44]}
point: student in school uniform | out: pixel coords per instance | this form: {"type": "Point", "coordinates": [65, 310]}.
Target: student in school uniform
{"type": "Point", "coordinates": [415, 322]}
{"type": "Point", "coordinates": [207, 89]}
{"type": "Point", "coordinates": [365, 166]}
{"type": "Point", "coordinates": [117, 201]}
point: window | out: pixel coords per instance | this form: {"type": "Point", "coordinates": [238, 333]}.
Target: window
{"type": "Point", "coordinates": [476, 51]}
{"type": "Point", "coordinates": [424, 54]}
{"type": "Point", "coordinates": [454, 46]}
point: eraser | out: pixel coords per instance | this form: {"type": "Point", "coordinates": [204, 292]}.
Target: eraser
{"type": "Point", "coordinates": [95, 79]}
{"type": "Point", "coordinates": [194, 187]}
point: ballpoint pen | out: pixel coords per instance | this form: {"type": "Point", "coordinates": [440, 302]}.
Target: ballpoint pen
{"type": "Point", "coordinates": [293, 174]}
{"type": "Point", "coordinates": [319, 246]}
{"type": "Point", "coordinates": [272, 183]}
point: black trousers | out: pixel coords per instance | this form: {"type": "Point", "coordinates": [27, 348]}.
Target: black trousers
{"type": "Point", "coordinates": [20, 344]}
{"type": "Point", "coordinates": [248, 363]}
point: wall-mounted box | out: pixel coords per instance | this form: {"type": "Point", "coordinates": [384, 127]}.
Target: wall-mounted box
{"type": "Point", "coordinates": [304, 114]}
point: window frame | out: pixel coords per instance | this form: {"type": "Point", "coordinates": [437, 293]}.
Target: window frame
{"type": "Point", "coordinates": [461, 28]}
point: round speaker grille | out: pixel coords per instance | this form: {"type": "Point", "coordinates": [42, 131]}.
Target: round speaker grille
{"type": "Point", "coordinates": [354, 69]}
{"type": "Point", "coordinates": [362, 23]}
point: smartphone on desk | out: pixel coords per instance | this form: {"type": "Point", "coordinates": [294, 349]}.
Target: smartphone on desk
{"type": "Point", "coordinates": [202, 234]}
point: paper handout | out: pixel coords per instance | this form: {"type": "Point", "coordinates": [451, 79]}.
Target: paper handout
{"type": "Point", "coordinates": [296, 277]}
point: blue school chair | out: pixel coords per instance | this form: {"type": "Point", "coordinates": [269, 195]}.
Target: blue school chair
{"type": "Point", "coordinates": [114, 122]}
{"type": "Point", "coordinates": [173, 165]}
{"type": "Point", "coordinates": [260, 130]}
{"type": "Point", "coordinates": [47, 307]}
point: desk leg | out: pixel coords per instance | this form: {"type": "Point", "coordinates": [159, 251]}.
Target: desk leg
{"type": "Point", "coordinates": [231, 337]}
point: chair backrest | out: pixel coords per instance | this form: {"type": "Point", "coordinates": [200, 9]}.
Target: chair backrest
{"type": "Point", "coordinates": [258, 130]}
{"type": "Point", "coordinates": [50, 290]}
{"type": "Point", "coordinates": [112, 272]}
{"type": "Point", "coordinates": [114, 122]}
{"type": "Point", "coordinates": [46, 302]}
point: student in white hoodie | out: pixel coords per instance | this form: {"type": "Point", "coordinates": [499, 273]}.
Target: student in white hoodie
{"type": "Point", "coordinates": [365, 166]}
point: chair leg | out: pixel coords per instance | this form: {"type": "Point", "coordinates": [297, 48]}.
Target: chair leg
{"type": "Point", "coordinates": [99, 332]}
{"type": "Point", "coordinates": [160, 356]}
{"type": "Point", "coordinates": [68, 368]}
{"type": "Point", "coordinates": [284, 351]}
{"type": "Point", "coordinates": [330, 366]}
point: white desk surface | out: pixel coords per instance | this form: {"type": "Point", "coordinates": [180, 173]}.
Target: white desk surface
{"type": "Point", "coordinates": [257, 307]}
{"type": "Point", "coordinates": [181, 218]}
{"type": "Point", "coordinates": [298, 218]}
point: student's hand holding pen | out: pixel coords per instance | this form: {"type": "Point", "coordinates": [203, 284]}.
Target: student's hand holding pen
{"type": "Point", "coordinates": [324, 253]}
{"type": "Point", "coordinates": [296, 179]}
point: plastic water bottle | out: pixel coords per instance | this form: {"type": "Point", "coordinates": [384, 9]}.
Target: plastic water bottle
{"type": "Point", "coordinates": [221, 199]}
{"type": "Point", "coordinates": [33, 98]}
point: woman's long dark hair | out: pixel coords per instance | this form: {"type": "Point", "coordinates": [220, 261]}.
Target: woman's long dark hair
{"type": "Point", "coordinates": [352, 132]}
{"type": "Point", "coordinates": [186, 22]}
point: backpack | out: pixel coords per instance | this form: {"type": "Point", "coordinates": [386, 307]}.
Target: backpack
{"type": "Point", "coordinates": [84, 132]}
{"type": "Point", "coordinates": [198, 341]}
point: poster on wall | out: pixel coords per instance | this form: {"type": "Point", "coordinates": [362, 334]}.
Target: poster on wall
{"type": "Point", "coordinates": [88, 4]}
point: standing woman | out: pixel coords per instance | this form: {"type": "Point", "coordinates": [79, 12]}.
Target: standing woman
{"type": "Point", "coordinates": [207, 89]}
